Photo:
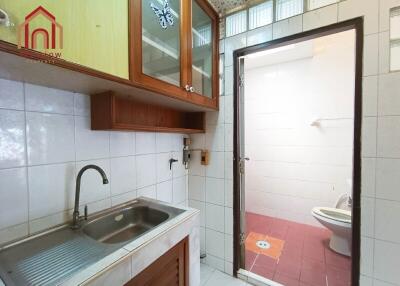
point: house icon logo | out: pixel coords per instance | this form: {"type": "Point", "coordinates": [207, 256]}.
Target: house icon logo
{"type": "Point", "coordinates": [47, 36]}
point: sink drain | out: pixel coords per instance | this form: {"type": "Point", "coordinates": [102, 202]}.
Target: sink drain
{"type": "Point", "coordinates": [263, 244]}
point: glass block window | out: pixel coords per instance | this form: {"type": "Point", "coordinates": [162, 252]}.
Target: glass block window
{"type": "Point", "coordinates": [315, 4]}
{"type": "Point", "coordinates": [288, 8]}
{"type": "Point", "coordinates": [261, 15]}
{"type": "Point", "coordinates": [395, 39]}
{"type": "Point", "coordinates": [202, 36]}
{"type": "Point", "coordinates": [236, 23]}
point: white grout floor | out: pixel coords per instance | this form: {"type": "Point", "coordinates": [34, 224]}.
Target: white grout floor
{"type": "Point", "coordinates": [212, 277]}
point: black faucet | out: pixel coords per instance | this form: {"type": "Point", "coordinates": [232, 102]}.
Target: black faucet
{"type": "Point", "coordinates": [75, 215]}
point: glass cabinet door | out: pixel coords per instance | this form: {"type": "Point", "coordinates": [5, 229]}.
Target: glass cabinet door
{"type": "Point", "coordinates": [161, 40]}
{"type": "Point", "coordinates": [202, 51]}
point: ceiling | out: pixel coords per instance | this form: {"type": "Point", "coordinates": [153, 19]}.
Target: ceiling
{"type": "Point", "coordinates": [223, 6]}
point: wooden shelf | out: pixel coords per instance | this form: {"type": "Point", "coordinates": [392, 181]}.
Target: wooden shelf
{"type": "Point", "coordinates": [117, 112]}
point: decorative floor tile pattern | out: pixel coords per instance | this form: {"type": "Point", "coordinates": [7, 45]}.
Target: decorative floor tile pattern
{"type": "Point", "coordinates": [306, 259]}
{"type": "Point", "coordinates": [272, 248]}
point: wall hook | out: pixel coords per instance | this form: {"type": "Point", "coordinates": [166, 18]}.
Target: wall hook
{"type": "Point", "coordinates": [171, 161]}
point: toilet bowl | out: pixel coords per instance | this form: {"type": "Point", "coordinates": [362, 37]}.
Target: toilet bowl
{"type": "Point", "coordinates": [339, 222]}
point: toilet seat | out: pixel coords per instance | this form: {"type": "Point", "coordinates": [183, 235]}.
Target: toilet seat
{"type": "Point", "coordinates": [337, 216]}
{"type": "Point", "coordinates": [338, 221]}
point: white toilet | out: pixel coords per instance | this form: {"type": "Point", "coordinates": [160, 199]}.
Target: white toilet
{"type": "Point", "coordinates": [339, 222]}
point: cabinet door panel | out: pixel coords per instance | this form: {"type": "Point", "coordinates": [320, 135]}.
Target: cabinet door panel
{"type": "Point", "coordinates": [161, 40]}
{"type": "Point", "coordinates": [95, 32]}
{"type": "Point", "coordinates": [202, 51]}
{"type": "Point", "coordinates": [101, 33]}
{"type": "Point", "coordinates": [171, 269]}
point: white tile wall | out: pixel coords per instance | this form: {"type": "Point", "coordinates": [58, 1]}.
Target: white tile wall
{"type": "Point", "coordinates": [11, 94]}
{"type": "Point", "coordinates": [45, 141]}
{"type": "Point", "coordinates": [12, 130]}
{"type": "Point", "coordinates": [289, 159]}
{"type": "Point", "coordinates": [379, 256]}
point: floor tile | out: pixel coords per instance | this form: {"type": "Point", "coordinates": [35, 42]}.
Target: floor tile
{"type": "Point", "coordinates": [218, 279]}
{"type": "Point", "coordinates": [290, 268]}
{"type": "Point", "coordinates": [285, 280]}
{"type": "Point", "coordinates": [205, 273]}
{"type": "Point", "coordinates": [267, 262]}
{"type": "Point", "coordinates": [306, 259]}
{"type": "Point", "coordinates": [263, 271]}
{"type": "Point", "coordinates": [250, 258]}
{"type": "Point", "coordinates": [338, 277]}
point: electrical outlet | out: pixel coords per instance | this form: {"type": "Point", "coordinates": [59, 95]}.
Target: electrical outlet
{"type": "Point", "coordinates": [205, 157]}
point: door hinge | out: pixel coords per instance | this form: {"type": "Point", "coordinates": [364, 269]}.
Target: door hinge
{"type": "Point", "coordinates": [241, 80]}
{"type": "Point", "coordinates": [242, 238]}
{"type": "Point", "coordinates": [241, 167]}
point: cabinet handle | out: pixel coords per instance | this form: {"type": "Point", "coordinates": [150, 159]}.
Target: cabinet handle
{"type": "Point", "coordinates": [187, 87]}
{"type": "Point", "coordinates": [191, 89]}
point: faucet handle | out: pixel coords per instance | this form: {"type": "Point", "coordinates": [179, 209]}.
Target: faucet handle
{"type": "Point", "coordinates": [86, 212]}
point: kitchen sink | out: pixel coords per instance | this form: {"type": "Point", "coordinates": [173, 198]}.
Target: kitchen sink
{"type": "Point", "coordinates": [52, 257]}
{"type": "Point", "coordinates": [125, 224]}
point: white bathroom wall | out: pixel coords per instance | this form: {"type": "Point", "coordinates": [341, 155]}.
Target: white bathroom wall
{"type": "Point", "coordinates": [45, 139]}
{"type": "Point", "coordinates": [293, 165]}
{"type": "Point", "coordinates": [380, 238]}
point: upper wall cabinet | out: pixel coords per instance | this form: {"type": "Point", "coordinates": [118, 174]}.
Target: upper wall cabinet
{"type": "Point", "coordinates": [91, 33]}
{"type": "Point", "coordinates": [174, 49]}
{"type": "Point", "coordinates": [163, 52]}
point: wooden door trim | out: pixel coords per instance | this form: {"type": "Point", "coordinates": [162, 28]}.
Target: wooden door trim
{"type": "Point", "coordinates": [356, 24]}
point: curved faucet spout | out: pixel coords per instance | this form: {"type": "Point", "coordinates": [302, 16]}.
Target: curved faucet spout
{"type": "Point", "coordinates": [75, 215]}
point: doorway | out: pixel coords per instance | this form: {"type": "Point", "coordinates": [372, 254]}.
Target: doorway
{"type": "Point", "coordinates": [297, 151]}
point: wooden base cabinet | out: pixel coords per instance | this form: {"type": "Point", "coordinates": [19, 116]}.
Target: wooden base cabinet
{"type": "Point", "coordinates": [171, 269]}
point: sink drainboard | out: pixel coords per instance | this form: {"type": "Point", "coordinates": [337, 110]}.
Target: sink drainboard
{"type": "Point", "coordinates": [47, 266]}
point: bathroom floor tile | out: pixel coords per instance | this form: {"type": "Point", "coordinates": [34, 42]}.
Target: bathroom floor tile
{"type": "Point", "coordinates": [306, 258]}
{"type": "Point", "coordinates": [285, 280]}
{"type": "Point", "coordinates": [263, 271]}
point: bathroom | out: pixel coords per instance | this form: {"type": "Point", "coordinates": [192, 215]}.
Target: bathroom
{"type": "Point", "coordinates": [298, 142]}
{"type": "Point", "coordinates": [105, 131]}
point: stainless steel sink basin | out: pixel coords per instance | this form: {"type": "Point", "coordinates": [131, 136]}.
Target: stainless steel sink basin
{"type": "Point", "coordinates": [52, 257]}
{"type": "Point", "coordinates": [126, 224]}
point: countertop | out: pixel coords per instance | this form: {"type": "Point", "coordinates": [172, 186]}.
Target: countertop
{"type": "Point", "coordinates": [105, 264]}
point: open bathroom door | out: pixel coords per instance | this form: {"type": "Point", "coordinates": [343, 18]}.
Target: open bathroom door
{"type": "Point", "coordinates": [242, 158]}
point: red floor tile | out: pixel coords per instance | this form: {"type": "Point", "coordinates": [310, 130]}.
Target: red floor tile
{"type": "Point", "coordinates": [250, 258]}
{"type": "Point", "coordinates": [294, 249]}
{"type": "Point", "coordinates": [266, 261]}
{"type": "Point", "coordinates": [313, 278]}
{"type": "Point", "coordinates": [314, 251]}
{"type": "Point", "coordinates": [334, 259]}
{"type": "Point", "coordinates": [258, 223]}
{"type": "Point", "coordinates": [262, 271]}
{"type": "Point", "coordinates": [313, 265]}
{"type": "Point", "coordinates": [338, 277]}
{"type": "Point", "coordinates": [306, 258]}
{"type": "Point", "coordinates": [290, 268]}
{"type": "Point", "coordinates": [285, 280]}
